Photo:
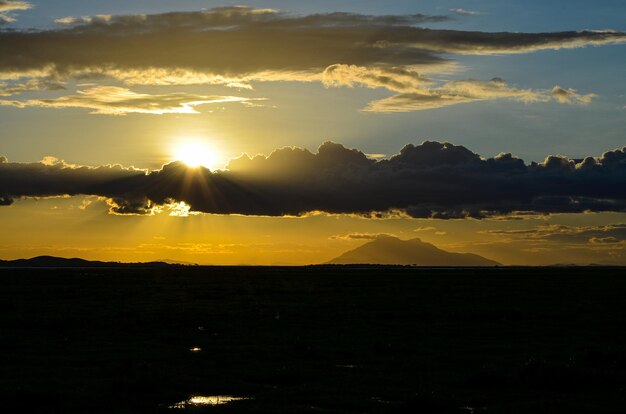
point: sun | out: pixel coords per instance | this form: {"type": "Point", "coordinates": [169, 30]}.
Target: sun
{"type": "Point", "coordinates": [197, 154]}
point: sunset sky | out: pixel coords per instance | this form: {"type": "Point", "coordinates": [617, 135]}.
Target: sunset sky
{"type": "Point", "coordinates": [287, 132]}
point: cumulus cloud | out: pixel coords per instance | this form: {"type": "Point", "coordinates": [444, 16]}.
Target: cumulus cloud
{"type": "Point", "coordinates": [237, 46]}
{"type": "Point", "coordinates": [569, 96]}
{"type": "Point", "coordinates": [9, 6]}
{"type": "Point", "coordinates": [112, 100]}
{"type": "Point", "coordinates": [433, 179]}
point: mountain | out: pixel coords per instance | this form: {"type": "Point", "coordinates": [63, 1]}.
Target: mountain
{"type": "Point", "coordinates": [391, 250]}
{"type": "Point", "coordinates": [51, 261]}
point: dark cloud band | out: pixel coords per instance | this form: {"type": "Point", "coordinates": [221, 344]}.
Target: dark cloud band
{"type": "Point", "coordinates": [238, 41]}
{"type": "Point", "coordinates": [428, 180]}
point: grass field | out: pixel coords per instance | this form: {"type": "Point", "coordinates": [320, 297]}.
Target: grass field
{"type": "Point", "coordinates": [314, 340]}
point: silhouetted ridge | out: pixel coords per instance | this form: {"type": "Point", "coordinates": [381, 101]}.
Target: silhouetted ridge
{"type": "Point", "coordinates": [51, 261]}
{"type": "Point", "coordinates": [391, 250]}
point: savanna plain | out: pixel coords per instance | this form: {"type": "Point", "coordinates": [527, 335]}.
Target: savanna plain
{"type": "Point", "coordinates": [319, 339]}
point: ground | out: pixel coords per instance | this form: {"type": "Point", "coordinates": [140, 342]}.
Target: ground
{"type": "Point", "coordinates": [317, 339]}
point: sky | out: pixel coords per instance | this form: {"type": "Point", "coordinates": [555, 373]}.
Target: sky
{"type": "Point", "coordinates": [287, 132]}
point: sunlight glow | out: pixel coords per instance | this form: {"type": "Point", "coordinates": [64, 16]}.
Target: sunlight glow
{"type": "Point", "coordinates": [197, 153]}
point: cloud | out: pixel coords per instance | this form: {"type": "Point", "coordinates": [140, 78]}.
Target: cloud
{"type": "Point", "coordinates": [32, 85]}
{"type": "Point", "coordinates": [569, 96]}
{"type": "Point", "coordinates": [485, 43]}
{"type": "Point", "coordinates": [465, 91]}
{"type": "Point", "coordinates": [238, 46]}
{"type": "Point", "coordinates": [395, 79]}
{"type": "Point", "coordinates": [69, 20]}
{"type": "Point", "coordinates": [431, 180]}
{"type": "Point", "coordinates": [361, 236]}
{"type": "Point", "coordinates": [224, 41]}
{"type": "Point", "coordinates": [8, 6]}
{"type": "Point", "coordinates": [607, 234]}
{"type": "Point", "coordinates": [417, 92]}
{"type": "Point", "coordinates": [560, 232]}
{"type": "Point", "coordinates": [112, 100]}
{"type": "Point", "coordinates": [604, 240]}
{"type": "Point", "coordinates": [465, 12]}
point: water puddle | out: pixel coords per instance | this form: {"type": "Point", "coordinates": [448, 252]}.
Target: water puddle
{"type": "Point", "coordinates": [384, 401]}
{"type": "Point", "coordinates": [473, 409]}
{"type": "Point", "coordinates": [207, 400]}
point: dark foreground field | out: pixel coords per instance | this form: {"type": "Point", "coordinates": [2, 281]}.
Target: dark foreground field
{"type": "Point", "coordinates": [318, 340]}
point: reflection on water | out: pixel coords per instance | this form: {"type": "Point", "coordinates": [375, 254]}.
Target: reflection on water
{"type": "Point", "coordinates": [350, 366]}
{"type": "Point", "coordinates": [207, 400]}
{"type": "Point", "coordinates": [473, 409]}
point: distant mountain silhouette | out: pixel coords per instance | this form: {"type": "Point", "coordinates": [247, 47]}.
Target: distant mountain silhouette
{"type": "Point", "coordinates": [176, 262]}
{"type": "Point", "coordinates": [391, 250]}
{"type": "Point", "coordinates": [51, 261]}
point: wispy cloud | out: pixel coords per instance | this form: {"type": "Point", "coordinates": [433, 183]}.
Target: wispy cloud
{"type": "Point", "coordinates": [71, 20]}
{"type": "Point", "coordinates": [466, 12]}
{"type": "Point", "coordinates": [465, 91]}
{"type": "Point", "coordinates": [361, 236]}
{"type": "Point", "coordinates": [9, 6]}
{"type": "Point", "coordinates": [32, 85]}
{"type": "Point", "coordinates": [609, 236]}
{"type": "Point", "coordinates": [112, 100]}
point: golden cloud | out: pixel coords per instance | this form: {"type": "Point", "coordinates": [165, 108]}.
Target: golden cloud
{"type": "Point", "coordinates": [112, 100]}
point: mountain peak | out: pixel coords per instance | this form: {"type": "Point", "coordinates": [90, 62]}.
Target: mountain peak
{"type": "Point", "coordinates": [392, 250]}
